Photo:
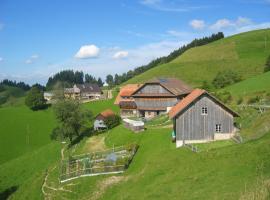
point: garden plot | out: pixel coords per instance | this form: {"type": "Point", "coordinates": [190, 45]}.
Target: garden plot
{"type": "Point", "coordinates": [111, 161]}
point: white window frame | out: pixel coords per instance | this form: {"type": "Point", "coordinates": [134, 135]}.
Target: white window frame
{"type": "Point", "coordinates": [204, 110]}
{"type": "Point", "coordinates": [218, 128]}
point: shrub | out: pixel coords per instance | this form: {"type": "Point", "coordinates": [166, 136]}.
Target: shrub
{"type": "Point", "coordinates": [2, 88]}
{"type": "Point", "coordinates": [207, 86]}
{"type": "Point", "coordinates": [225, 96]}
{"type": "Point", "coordinates": [240, 100]}
{"type": "Point", "coordinates": [112, 121]}
{"type": "Point", "coordinates": [3, 98]}
{"type": "Point", "coordinates": [34, 99]}
{"type": "Point", "coordinates": [255, 99]}
{"type": "Point", "coordinates": [225, 78]}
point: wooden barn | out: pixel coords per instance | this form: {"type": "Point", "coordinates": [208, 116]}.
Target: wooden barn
{"type": "Point", "coordinates": [200, 117]}
{"type": "Point", "coordinates": [86, 91]}
{"type": "Point", "coordinates": [99, 123]}
{"type": "Point", "coordinates": [159, 96]}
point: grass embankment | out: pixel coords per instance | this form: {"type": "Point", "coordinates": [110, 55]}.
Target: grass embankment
{"type": "Point", "coordinates": [159, 170]}
{"type": "Point", "coordinates": [252, 86]}
{"type": "Point", "coordinates": [244, 53]}
{"type": "Point", "coordinates": [26, 150]}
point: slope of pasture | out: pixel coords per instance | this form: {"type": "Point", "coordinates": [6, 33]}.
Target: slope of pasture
{"type": "Point", "coordinates": [260, 83]}
{"type": "Point", "coordinates": [23, 130]}
{"type": "Point", "coordinates": [26, 150]}
{"type": "Point", "coordinates": [28, 170]}
{"type": "Point", "coordinates": [161, 171]}
{"type": "Point", "coordinates": [245, 53]}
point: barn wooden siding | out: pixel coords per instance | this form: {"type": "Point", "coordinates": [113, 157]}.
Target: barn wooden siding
{"type": "Point", "coordinates": [153, 89]}
{"type": "Point", "coordinates": [155, 103]}
{"type": "Point", "coordinates": [190, 124]}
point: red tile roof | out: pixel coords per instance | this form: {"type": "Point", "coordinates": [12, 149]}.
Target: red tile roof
{"type": "Point", "coordinates": [191, 98]}
{"type": "Point", "coordinates": [107, 113]}
{"type": "Point", "coordinates": [126, 91]}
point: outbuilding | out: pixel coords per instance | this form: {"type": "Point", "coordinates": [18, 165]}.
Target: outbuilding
{"type": "Point", "coordinates": [99, 123]}
{"type": "Point", "coordinates": [200, 117]}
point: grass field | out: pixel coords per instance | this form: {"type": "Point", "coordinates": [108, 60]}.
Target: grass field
{"type": "Point", "coordinates": [222, 170]}
{"type": "Point", "coordinates": [26, 149]}
{"type": "Point", "coordinates": [250, 86]}
{"type": "Point", "coordinates": [24, 129]}
{"type": "Point", "coordinates": [245, 53]}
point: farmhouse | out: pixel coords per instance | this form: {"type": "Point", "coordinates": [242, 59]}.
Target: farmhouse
{"type": "Point", "coordinates": [200, 117]}
{"type": "Point", "coordinates": [99, 123]}
{"type": "Point", "coordinates": [159, 96]}
{"type": "Point", "coordinates": [84, 91]}
{"type": "Point", "coordinates": [126, 102]}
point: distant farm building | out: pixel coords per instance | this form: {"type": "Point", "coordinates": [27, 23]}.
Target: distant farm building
{"type": "Point", "coordinates": [126, 102]}
{"type": "Point", "coordinates": [99, 123]}
{"type": "Point", "coordinates": [200, 117]}
{"type": "Point", "coordinates": [86, 91]}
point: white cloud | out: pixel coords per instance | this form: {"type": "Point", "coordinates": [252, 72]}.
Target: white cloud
{"type": "Point", "coordinates": [32, 59]}
{"type": "Point", "coordinates": [197, 24]}
{"type": "Point", "coordinates": [87, 51]}
{"type": "Point", "coordinates": [120, 54]}
{"type": "Point", "coordinates": [226, 23]}
{"type": "Point", "coordinates": [221, 23]}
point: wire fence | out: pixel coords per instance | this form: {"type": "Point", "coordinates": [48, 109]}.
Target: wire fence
{"type": "Point", "coordinates": [115, 160]}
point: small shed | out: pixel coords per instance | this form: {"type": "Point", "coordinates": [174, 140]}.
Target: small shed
{"type": "Point", "coordinates": [200, 117]}
{"type": "Point", "coordinates": [133, 125]}
{"type": "Point", "coordinates": [99, 123]}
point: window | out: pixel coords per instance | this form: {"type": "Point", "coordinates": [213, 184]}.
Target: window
{"type": "Point", "coordinates": [218, 128]}
{"type": "Point", "coordinates": [204, 111]}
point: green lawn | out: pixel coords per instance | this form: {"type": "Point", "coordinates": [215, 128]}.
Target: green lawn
{"type": "Point", "coordinates": [250, 86]}
{"type": "Point", "coordinates": [23, 130]}
{"type": "Point", "coordinates": [223, 170]}
{"type": "Point", "coordinates": [245, 53]}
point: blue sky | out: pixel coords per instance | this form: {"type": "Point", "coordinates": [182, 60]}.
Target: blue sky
{"type": "Point", "coordinates": [41, 37]}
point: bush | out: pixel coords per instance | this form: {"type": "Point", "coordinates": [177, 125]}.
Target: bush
{"type": "Point", "coordinates": [2, 88]}
{"type": "Point", "coordinates": [207, 86]}
{"type": "Point", "coordinates": [34, 99]}
{"type": "Point", "coordinates": [225, 78]}
{"type": "Point", "coordinates": [225, 96]}
{"type": "Point", "coordinates": [255, 99]}
{"type": "Point", "coordinates": [240, 100]}
{"type": "Point", "coordinates": [112, 121]}
{"type": "Point", "coordinates": [3, 99]}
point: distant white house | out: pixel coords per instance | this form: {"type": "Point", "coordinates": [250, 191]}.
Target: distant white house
{"type": "Point", "coordinates": [48, 96]}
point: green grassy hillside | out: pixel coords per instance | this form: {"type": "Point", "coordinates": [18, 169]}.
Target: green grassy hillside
{"type": "Point", "coordinates": [256, 84]}
{"type": "Point", "coordinates": [11, 96]}
{"type": "Point", "coordinates": [23, 130]}
{"type": "Point", "coordinates": [245, 53]}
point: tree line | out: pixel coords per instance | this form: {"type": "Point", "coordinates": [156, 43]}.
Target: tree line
{"type": "Point", "coordinates": [20, 84]}
{"type": "Point", "coordinates": [70, 77]}
{"type": "Point", "coordinates": [118, 79]}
